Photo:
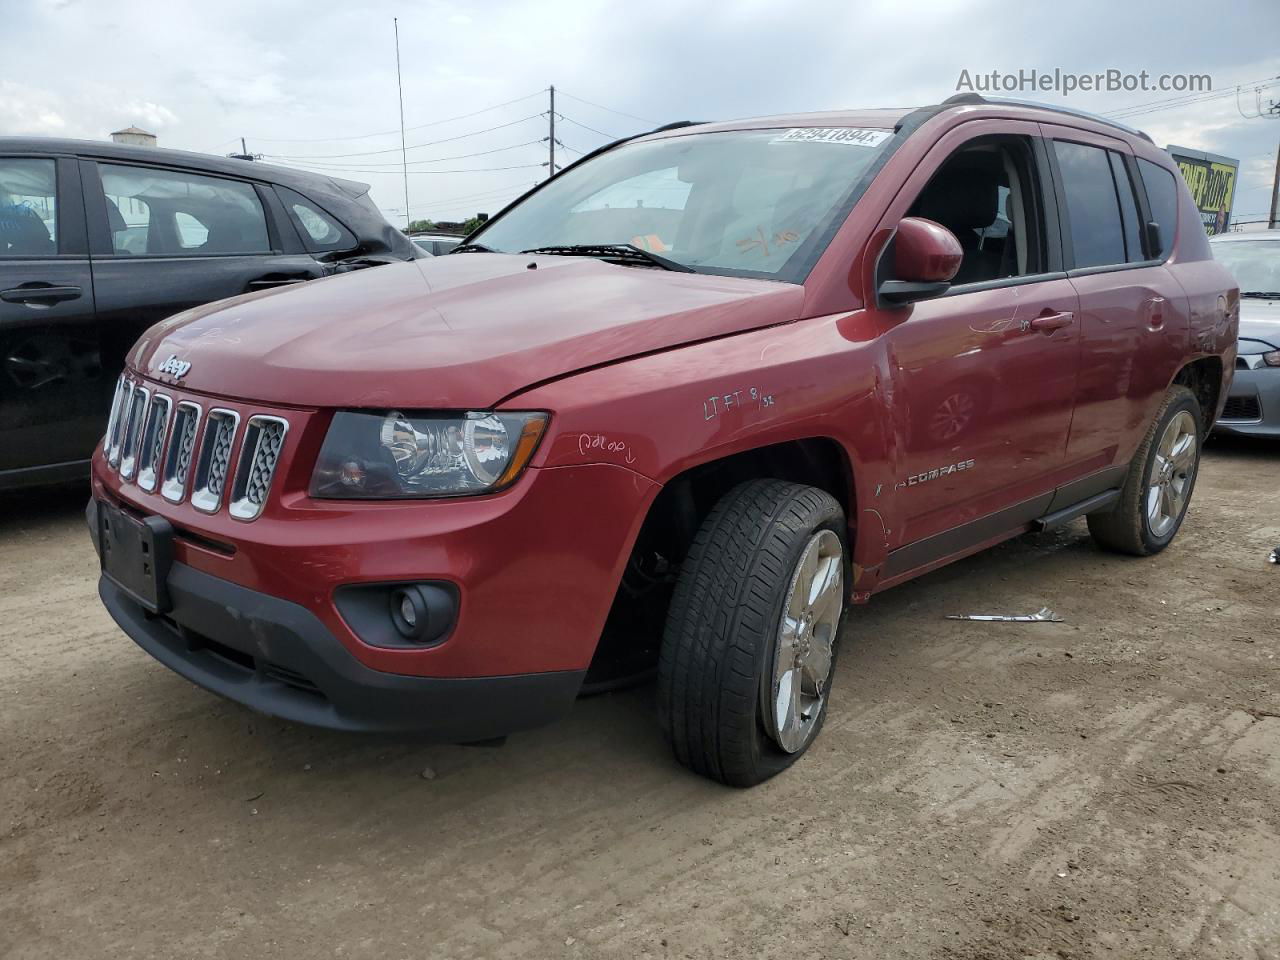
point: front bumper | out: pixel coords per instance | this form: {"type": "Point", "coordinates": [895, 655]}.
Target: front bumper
{"type": "Point", "coordinates": [1253, 404]}
{"type": "Point", "coordinates": [278, 658]}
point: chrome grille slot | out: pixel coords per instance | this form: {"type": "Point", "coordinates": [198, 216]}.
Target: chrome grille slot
{"type": "Point", "coordinates": [214, 460]}
{"type": "Point", "coordinates": [125, 398]}
{"type": "Point", "coordinates": [133, 431]}
{"type": "Point", "coordinates": [153, 433]}
{"type": "Point", "coordinates": [113, 421]}
{"type": "Point", "coordinates": [263, 443]}
{"type": "Point", "coordinates": [182, 445]}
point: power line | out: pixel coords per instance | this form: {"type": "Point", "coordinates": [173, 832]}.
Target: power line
{"type": "Point", "coordinates": [600, 106]}
{"type": "Point", "coordinates": [1167, 103]}
{"type": "Point", "coordinates": [430, 143]}
{"type": "Point", "coordinates": [459, 156]}
{"type": "Point", "coordinates": [578, 123]}
{"type": "Point", "coordinates": [385, 133]}
{"type": "Point", "coordinates": [486, 195]}
{"type": "Point", "coordinates": [521, 166]}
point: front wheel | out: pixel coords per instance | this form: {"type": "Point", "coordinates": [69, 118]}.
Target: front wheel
{"type": "Point", "coordinates": [744, 674]}
{"type": "Point", "coordinates": [1162, 476]}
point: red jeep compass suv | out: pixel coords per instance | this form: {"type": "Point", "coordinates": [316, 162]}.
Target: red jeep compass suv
{"type": "Point", "coordinates": [679, 405]}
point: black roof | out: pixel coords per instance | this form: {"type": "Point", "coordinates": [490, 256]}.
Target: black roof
{"type": "Point", "coordinates": [248, 169]}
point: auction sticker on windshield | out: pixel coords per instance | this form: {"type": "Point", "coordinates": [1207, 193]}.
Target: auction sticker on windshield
{"type": "Point", "coordinates": [849, 135]}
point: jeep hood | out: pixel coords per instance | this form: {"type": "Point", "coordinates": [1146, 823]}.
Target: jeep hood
{"type": "Point", "coordinates": [461, 331]}
{"type": "Point", "coordinates": [1260, 321]}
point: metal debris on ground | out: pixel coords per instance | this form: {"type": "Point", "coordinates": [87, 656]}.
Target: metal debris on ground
{"type": "Point", "coordinates": [1275, 555]}
{"type": "Point", "coordinates": [1044, 615]}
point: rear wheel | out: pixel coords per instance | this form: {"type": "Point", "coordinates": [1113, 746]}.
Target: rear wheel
{"type": "Point", "coordinates": [1161, 478]}
{"type": "Point", "coordinates": [745, 669]}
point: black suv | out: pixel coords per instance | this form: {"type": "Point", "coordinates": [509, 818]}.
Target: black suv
{"type": "Point", "coordinates": [98, 241]}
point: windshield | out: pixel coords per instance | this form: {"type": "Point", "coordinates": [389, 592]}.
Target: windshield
{"type": "Point", "coordinates": [1255, 263]}
{"type": "Point", "coordinates": [759, 203]}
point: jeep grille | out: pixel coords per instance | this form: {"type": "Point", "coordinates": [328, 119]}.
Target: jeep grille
{"type": "Point", "coordinates": [170, 445]}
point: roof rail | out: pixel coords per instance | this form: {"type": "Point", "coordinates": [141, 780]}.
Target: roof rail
{"type": "Point", "coordinates": [675, 125]}
{"type": "Point", "coordinates": [973, 99]}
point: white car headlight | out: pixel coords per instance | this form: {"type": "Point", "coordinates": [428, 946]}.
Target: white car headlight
{"type": "Point", "coordinates": [374, 456]}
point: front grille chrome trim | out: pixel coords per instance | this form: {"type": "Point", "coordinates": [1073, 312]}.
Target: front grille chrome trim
{"type": "Point", "coordinates": [151, 447]}
{"type": "Point", "coordinates": [260, 453]}
{"type": "Point", "coordinates": [113, 420]}
{"type": "Point", "coordinates": [181, 451]}
{"type": "Point", "coordinates": [213, 466]}
{"type": "Point", "coordinates": [117, 424]}
{"type": "Point", "coordinates": [139, 401]}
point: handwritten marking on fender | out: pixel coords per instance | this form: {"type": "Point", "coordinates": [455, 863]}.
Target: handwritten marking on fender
{"type": "Point", "coordinates": [747, 398]}
{"type": "Point", "coordinates": [588, 442]}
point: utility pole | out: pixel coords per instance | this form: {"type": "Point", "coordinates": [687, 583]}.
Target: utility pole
{"type": "Point", "coordinates": [404, 156]}
{"type": "Point", "coordinates": [1273, 216]}
{"type": "Point", "coordinates": [551, 170]}
{"type": "Point", "coordinates": [244, 153]}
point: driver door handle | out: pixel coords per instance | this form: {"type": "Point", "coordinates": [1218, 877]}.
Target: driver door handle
{"type": "Point", "coordinates": [44, 295]}
{"type": "Point", "coordinates": [1050, 322]}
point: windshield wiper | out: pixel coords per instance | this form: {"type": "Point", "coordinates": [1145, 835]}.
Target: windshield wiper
{"type": "Point", "coordinates": [1261, 294]}
{"type": "Point", "coordinates": [618, 252]}
{"type": "Point", "coordinates": [471, 248]}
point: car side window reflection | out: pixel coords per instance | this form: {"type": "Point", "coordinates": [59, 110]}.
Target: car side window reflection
{"type": "Point", "coordinates": [155, 212]}
{"type": "Point", "coordinates": [28, 208]}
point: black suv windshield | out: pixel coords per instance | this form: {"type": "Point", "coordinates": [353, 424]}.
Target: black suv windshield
{"type": "Point", "coordinates": [758, 203]}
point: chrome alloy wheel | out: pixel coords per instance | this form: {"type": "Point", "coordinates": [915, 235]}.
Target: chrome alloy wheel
{"type": "Point", "coordinates": [1169, 479]}
{"type": "Point", "coordinates": [806, 638]}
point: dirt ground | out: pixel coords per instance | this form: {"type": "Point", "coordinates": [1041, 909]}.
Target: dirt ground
{"type": "Point", "coordinates": [1104, 787]}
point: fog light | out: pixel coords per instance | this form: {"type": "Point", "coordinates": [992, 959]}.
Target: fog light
{"type": "Point", "coordinates": [407, 611]}
{"type": "Point", "coordinates": [421, 612]}
{"type": "Point", "coordinates": [399, 615]}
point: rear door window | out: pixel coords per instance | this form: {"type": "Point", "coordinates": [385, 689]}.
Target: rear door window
{"type": "Point", "coordinates": [320, 231]}
{"type": "Point", "coordinates": [1093, 207]}
{"type": "Point", "coordinates": [154, 212]}
{"type": "Point", "coordinates": [28, 207]}
{"type": "Point", "coordinates": [1162, 195]}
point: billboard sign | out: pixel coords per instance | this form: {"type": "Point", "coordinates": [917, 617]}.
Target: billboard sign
{"type": "Point", "coordinates": [1212, 180]}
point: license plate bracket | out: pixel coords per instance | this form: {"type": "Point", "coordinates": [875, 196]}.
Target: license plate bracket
{"type": "Point", "coordinates": [137, 555]}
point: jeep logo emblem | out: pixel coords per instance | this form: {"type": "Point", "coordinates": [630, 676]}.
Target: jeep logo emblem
{"type": "Point", "coordinates": [174, 367]}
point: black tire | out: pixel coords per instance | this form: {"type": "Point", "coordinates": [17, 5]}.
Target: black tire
{"type": "Point", "coordinates": [1126, 527]}
{"type": "Point", "coordinates": [722, 628]}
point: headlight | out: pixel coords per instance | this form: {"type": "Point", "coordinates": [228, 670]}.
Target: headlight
{"type": "Point", "coordinates": [1272, 359]}
{"type": "Point", "coordinates": [374, 456]}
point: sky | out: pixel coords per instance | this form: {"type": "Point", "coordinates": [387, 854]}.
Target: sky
{"type": "Point", "coordinates": [308, 82]}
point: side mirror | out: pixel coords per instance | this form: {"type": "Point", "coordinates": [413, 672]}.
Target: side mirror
{"type": "Point", "coordinates": [917, 263]}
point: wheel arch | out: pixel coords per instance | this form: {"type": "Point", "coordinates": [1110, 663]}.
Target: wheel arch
{"type": "Point", "coordinates": [678, 510]}
{"type": "Point", "coordinates": [1204, 377]}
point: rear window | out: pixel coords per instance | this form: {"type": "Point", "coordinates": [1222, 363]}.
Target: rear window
{"type": "Point", "coordinates": [154, 212]}
{"type": "Point", "coordinates": [1162, 195]}
{"type": "Point", "coordinates": [321, 231]}
{"type": "Point", "coordinates": [1093, 208]}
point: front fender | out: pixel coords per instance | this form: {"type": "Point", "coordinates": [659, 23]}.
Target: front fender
{"type": "Point", "coordinates": [663, 414]}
